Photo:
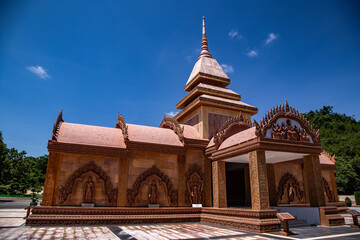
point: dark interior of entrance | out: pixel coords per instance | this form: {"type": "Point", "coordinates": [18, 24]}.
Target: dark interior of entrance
{"type": "Point", "coordinates": [235, 185]}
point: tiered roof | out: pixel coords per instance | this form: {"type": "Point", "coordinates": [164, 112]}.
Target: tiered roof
{"type": "Point", "coordinates": [207, 83]}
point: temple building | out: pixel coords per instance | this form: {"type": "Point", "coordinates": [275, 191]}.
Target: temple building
{"type": "Point", "coordinates": [210, 163]}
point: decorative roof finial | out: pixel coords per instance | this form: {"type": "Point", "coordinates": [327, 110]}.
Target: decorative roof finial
{"type": "Point", "coordinates": [204, 44]}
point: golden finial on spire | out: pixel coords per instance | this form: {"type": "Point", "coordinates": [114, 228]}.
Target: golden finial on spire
{"type": "Point", "coordinates": [204, 44]}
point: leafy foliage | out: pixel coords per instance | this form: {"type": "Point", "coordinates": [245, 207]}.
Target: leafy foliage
{"type": "Point", "coordinates": [19, 172]}
{"type": "Point", "coordinates": [340, 135]}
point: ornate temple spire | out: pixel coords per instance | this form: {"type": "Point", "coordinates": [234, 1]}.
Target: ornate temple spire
{"type": "Point", "coordinates": [204, 44]}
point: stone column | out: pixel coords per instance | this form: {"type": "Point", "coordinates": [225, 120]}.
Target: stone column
{"type": "Point", "coordinates": [181, 180]}
{"type": "Point", "coordinates": [314, 180]}
{"type": "Point", "coordinates": [258, 180]}
{"type": "Point", "coordinates": [219, 184]}
{"type": "Point", "coordinates": [207, 180]}
{"type": "Point", "coordinates": [333, 185]}
{"type": "Point", "coordinates": [271, 184]}
{"type": "Point", "coordinates": [50, 179]}
{"type": "Point", "coordinates": [305, 182]}
{"type": "Point", "coordinates": [247, 185]}
{"type": "Point", "coordinates": [123, 180]}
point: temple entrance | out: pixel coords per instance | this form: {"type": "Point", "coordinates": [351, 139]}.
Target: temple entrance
{"type": "Point", "coordinates": [235, 184]}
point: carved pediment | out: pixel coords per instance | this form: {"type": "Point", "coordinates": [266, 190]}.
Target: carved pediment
{"type": "Point", "coordinates": [171, 123]}
{"type": "Point", "coordinates": [120, 123]}
{"type": "Point", "coordinates": [56, 128]}
{"type": "Point", "coordinates": [230, 127]}
{"type": "Point", "coordinates": [286, 123]}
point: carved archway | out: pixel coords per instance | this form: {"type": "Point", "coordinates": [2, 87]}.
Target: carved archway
{"type": "Point", "coordinates": [110, 192]}
{"type": "Point", "coordinates": [194, 175]}
{"type": "Point", "coordinates": [284, 181]}
{"type": "Point", "coordinates": [171, 123]}
{"type": "Point", "coordinates": [328, 193]}
{"type": "Point", "coordinates": [135, 190]}
{"type": "Point", "coordinates": [230, 127]}
{"type": "Point", "coordinates": [287, 112]}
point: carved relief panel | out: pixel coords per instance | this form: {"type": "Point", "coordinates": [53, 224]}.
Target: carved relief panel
{"type": "Point", "coordinates": [329, 197]}
{"type": "Point", "coordinates": [152, 187]}
{"type": "Point", "coordinates": [289, 190]}
{"type": "Point", "coordinates": [194, 193]}
{"type": "Point", "coordinates": [92, 184]}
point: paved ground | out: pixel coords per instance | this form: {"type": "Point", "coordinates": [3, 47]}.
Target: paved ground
{"type": "Point", "coordinates": [12, 227]}
{"type": "Point", "coordinates": [6, 203]}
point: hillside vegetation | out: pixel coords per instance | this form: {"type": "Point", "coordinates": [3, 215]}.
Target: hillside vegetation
{"type": "Point", "coordinates": [340, 135]}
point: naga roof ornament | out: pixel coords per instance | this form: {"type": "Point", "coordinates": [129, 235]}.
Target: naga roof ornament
{"type": "Point", "coordinates": [56, 128]}
{"type": "Point", "coordinates": [171, 123]}
{"type": "Point", "coordinates": [120, 123]}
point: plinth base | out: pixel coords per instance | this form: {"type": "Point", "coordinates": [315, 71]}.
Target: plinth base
{"type": "Point", "coordinates": [196, 205]}
{"type": "Point", "coordinates": [87, 204]}
{"type": "Point", "coordinates": [286, 233]}
{"type": "Point", "coordinates": [153, 205]}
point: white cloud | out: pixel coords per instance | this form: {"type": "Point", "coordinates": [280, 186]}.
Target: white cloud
{"type": "Point", "coordinates": [171, 114]}
{"type": "Point", "coordinates": [271, 37]}
{"type": "Point", "coordinates": [234, 34]}
{"type": "Point", "coordinates": [253, 53]}
{"type": "Point", "coordinates": [39, 71]}
{"type": "Point", "coordinates": [227, 68]}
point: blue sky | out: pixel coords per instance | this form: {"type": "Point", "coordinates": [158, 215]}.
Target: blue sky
{"type": "Point", "coordinates": [94, 59]}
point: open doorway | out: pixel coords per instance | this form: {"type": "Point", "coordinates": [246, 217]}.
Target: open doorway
{"type": "Point", "coordinates": [236, 185]}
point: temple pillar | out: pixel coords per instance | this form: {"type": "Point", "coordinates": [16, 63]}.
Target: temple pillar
{"type": "Point", "coordinates": [305, 182]}
{"type": "Point", "coordinates": [122, 184]}
{"type": "Point", "coordinates": [207, 180]}
{"type": "Point", "coordinates": [247, 185]}
{"type": "Point", "coordinates": [258, 180]}
{"type": "Point", "coordinates": [314, 180]}
{"type": "Point", "coordinates": [181, 180]}
{"type": "Point", "coordinates": [50, 179]}
{"type": "Point", "coordinates": [271, 184]}
{"type": "Point", "coordinates": [219, 184]}
{"type": "Point", "coordinates": [333, 184]}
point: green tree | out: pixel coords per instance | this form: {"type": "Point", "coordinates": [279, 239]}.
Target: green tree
{"type": "Point", "coordinates": [340, 135]}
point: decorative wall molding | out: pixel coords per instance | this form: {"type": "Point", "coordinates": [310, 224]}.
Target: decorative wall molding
{"type": "Point", "coordinates": [230, 127]}
{"type": "Point", "coordinates": [61, 147]}
{"type": "Point", "coordinates": [171, 123]}
{"type": "Point", "coordinates": [286, 179]}
{"type": "Point", "coordinates": [285, 111]}
{"type": "Point", "coordinates": [110, 192]}
{"type": "Point", "coordinates": [328, 193]}
{"type": "Point", "coordinates": [56, 128]}
{"type": "Point", "coordinates": [135, 190]}
{"type": "Point", "coordinates": [120, 123]}
{"type": "Point", "coordinates": [194, 176]}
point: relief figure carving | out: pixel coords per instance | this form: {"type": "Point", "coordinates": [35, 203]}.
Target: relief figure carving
{"type": "Point", "coordinates": [288, 132]}
{"type": "Point", "coordinates": [153, 193]}
{"type": "Point", "coordinates": [89, 191]}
